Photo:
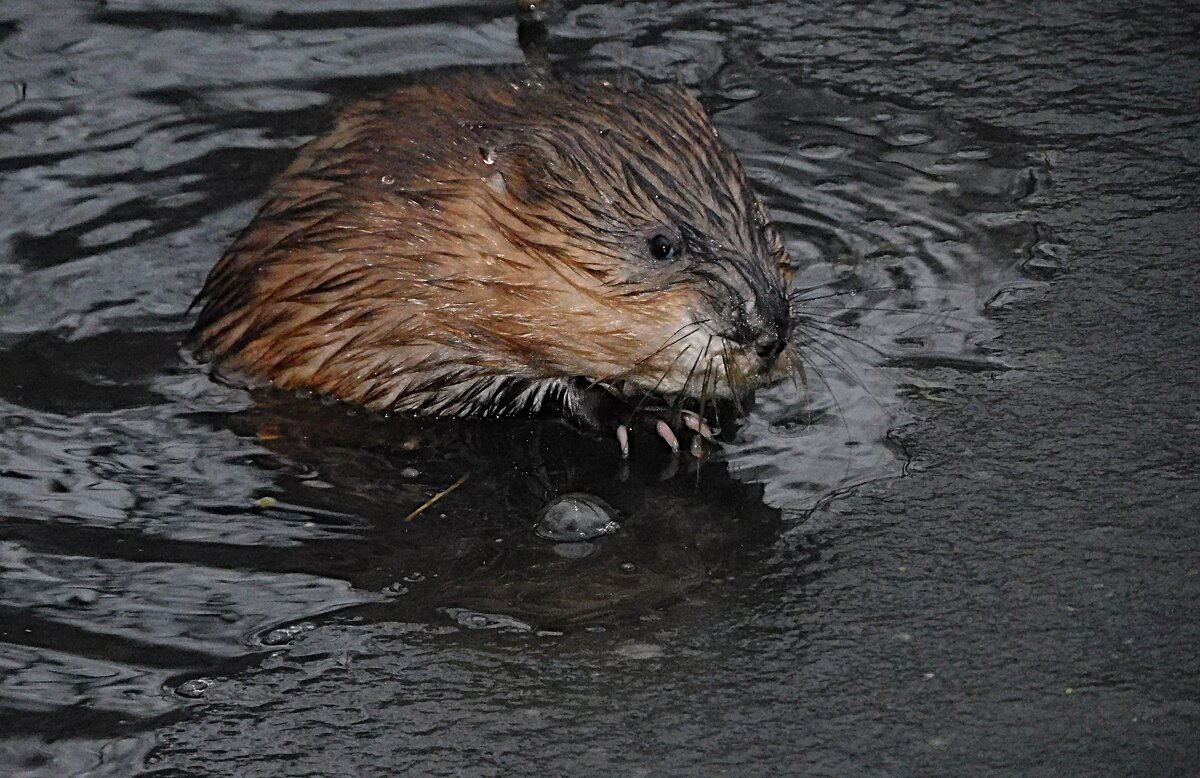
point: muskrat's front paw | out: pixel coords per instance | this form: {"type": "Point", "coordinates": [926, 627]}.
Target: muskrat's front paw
{"type": "Point", "coordinates": [602, 413]}
{"type": "Point", "coordinates": [664, 422]}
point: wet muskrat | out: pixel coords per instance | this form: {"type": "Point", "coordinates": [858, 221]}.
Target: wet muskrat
{"type": "Point", "coordinates": [499, 244]}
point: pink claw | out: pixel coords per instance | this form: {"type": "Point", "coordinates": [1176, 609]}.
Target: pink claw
{"type": "Point", "coordinates": [664, 432]}
{"type": "Point", "coordinates": [623, 439]}
{"type": "Point", "coordinates": [692, 421]}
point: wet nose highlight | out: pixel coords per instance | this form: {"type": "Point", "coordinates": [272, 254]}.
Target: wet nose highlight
{"type": "Point", "coordinates": [773, 340]}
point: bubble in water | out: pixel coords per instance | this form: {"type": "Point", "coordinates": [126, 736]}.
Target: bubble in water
{"type": "Point", "coordinates": [464, 617]}
{"type": "Point", "coordinates": [414, 577]}
{"type": "Point", "coordinates": [575, 517]}
{"type": "Point", "coordinates": [195, 688]}
{"type": "Point", "coordinates": [284, 635]}
{"type": "Point", "coordinates": [395, 589]}
{"type": "Point", "coordinates": [574, 550]}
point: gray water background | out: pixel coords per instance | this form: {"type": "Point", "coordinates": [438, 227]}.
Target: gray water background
{"type": "Point", "coordinates": [974, 553]}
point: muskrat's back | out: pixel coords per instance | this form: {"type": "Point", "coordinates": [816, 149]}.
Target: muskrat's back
{"type": "Point", "coordinates": [494, 244]}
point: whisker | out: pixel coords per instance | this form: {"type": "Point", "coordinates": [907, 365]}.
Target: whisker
{"type": "Point", "coordinates": [797, 292]}
{"type": "Point", "coordinates": [795, 296]}
{"type": "Point", "coordinates": [817, 326]}
{"type": "Point", "coordinates": [708, 364]}
{"type": "Point", "coordinates": [844, 368]}
{"type": "Point", "coordinates": [704, 388]}
{"type": "Point", "coordinates": [830, 356]}
{"type": "Point", "coordinates": [911, 311]}
{"type": "Point", "coordinates": [802, 385]}
{"type": "Point", "coordinates": [796, 367]}
{"type": "Point", "coordinates": [838, 405]}
{"type": "Point", "coordinates": [672, 340]}
{"type": "Point", "coordinates": [679, 398]}
{"type": "Point", "coordinates": [735, 388]}
{"type": "Point", "coordinates": [645, 395]}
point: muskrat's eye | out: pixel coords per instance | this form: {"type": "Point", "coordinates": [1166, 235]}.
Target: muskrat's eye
{"type": "Point", "coordinates": [663, 248]}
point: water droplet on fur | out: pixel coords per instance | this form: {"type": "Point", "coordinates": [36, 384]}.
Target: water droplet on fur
{"type": "Point", "coordinates": [575, 517]}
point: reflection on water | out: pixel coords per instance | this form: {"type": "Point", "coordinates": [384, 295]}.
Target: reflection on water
{"type": "Point", "coordinates": [156, 527]}
{"type": "Point", "coordinates": [478, 545]}
{"type": "Point", "coordinates": [901, 225]}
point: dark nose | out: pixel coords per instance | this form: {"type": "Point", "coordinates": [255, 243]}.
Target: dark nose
{"type": "Point", "coordinates": [763, 324]}
{"type": "Point", "coordinates": [773, 338]}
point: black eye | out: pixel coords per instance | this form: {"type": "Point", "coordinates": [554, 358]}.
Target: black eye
{"type": "Point", "coordinates": [664, 248]}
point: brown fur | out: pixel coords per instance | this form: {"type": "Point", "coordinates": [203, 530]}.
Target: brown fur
{"type": "Point", "coordinates": [449, 238]}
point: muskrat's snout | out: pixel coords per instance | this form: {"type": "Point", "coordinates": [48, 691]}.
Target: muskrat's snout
{"type": "Point", "coordinates": [773, 337]}
{"type": "Point", "coordinates": [767, 332]}
{"type": "Point", "coordinates": [760, 320]}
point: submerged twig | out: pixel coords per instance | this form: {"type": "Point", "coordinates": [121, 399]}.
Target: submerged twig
{"type": "Point", "coordinates": [437, 497]}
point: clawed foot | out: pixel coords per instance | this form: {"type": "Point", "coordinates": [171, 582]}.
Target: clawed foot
{"type": "Point", "coordinates": [662, 427]}
{"type": "Point", "coordinates": [600, 412]}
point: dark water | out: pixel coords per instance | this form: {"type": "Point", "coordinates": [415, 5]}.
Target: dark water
{"type": "Point", "coordinates": [967, 547]}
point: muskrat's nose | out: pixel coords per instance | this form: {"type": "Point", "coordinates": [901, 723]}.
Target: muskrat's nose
{"type": "Point", "coordinates": [773, 339]}
{"type": "Point", "coordinates": [764, 324]}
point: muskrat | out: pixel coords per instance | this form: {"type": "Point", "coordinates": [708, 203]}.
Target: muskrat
{"type": "Point", "coordinates": [497, 243]}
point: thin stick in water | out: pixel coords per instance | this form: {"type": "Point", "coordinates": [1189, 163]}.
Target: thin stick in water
{"type": "Point", "coordinates": [437, 497]}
